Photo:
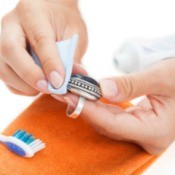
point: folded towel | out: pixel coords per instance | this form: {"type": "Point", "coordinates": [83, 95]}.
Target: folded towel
{"type": "Point", "coordinates": [73, 147]}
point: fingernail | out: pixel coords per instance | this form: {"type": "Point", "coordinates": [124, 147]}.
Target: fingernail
{"type": "Point", "coordinates": [56, 79]}
{"type": "Point", "coordinates": [69, 101]}
{"type": "Point", "coordinates": [109, 88]}
{"type": "Point", "coordinates": [43, 86]}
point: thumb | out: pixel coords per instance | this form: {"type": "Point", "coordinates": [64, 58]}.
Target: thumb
{"type": "Point", "coordinates": [130, 86]}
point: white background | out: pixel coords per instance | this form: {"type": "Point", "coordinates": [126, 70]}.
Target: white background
{"type": "Point", "coordinates": [110, 22]}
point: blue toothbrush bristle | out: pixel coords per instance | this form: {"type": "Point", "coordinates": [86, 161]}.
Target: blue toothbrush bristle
{"type": "Point", "coordinates": [19, 134]}
{"type": "Point", "coordinates": [30, 140]}
{"type": "Point", "coordinates": [18, 148]}
{"type": "Point", "coordinates": [24, 136]}
{"type": "Point", "coordinates": [16, 132]}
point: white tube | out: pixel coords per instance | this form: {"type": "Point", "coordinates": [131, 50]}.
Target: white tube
{"type": "Point", "coordinates": [135, 56]}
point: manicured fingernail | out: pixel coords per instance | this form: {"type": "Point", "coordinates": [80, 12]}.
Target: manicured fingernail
{"type": "Point", "coordinates": [56, 79]}
{"type": "Point", "coordinates": [109, 88]}
{"type": "Point", "coordinates": [69, 101]}
{"type": "Point", "coordinates": [43, 86]}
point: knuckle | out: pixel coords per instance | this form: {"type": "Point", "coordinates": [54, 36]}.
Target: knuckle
{"type": "Point", "coordinates": [108, 131]}
{"type": "Point", "coordinates": [32, 93]}
{"type": "Point", "coordinates": [47, 64]}
{"type": "Point", "coordinates": [163, 139]}
{"type": "Point", "coordinates": [3, 76]}
{"type": "Point", "coordinates": [6, 46]}
{"type": "Point", "coordinates": [6, 18]}
{"type": "Point", "coordinates": [127, 84]}
{"type": "Point", "coordinates": [3, 20]}
{"type": "Point", "coordinates": [25, 5]}
{"type": "Point", "coordinates": [101, 131]}
{"type": "Point", "coordinates": [131, 86]}
{"type": "Point", "coordinates": [29, 76]}
{"type": "Point", "coordinates": [39, 39]}
{"type": "Point", "coordinates": [13, 90]}
{"type": "Point", "coordinates": [153, 150]}
{"type": "Point", "coordinates": [24, 2]}
{"type": "Point", "coordinates": [159, 138]}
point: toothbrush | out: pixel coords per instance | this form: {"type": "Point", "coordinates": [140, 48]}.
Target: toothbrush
{"type": "Point", "coordinates": [22, 143]}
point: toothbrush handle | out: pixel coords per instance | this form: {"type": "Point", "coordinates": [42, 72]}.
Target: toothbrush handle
{"type": "Point", "coordinates": [3, 138]}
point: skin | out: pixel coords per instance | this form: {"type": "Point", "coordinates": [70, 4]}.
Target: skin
{"type": "Point", "coordinates": [150, 123]}
{"type": "Point", "coordinates": [40, 23]}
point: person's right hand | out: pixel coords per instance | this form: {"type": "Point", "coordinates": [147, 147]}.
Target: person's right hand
{"type": "Point", "coordinates": [150, 123]}
{"type": "Point", "coordinates": [39, 24]}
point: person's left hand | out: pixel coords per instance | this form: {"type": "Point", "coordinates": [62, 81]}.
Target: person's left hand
{"type": "Point", "coordinates": [150, 123]}
{"type": "Point", "coordinates": [38, 24]}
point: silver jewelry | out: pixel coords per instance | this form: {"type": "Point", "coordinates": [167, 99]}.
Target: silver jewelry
{"type": "Point", "coordinates": [76, 112]}
{"type": "Point", "coordinates": [85, 87]}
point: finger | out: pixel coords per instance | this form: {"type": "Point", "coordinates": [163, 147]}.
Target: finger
{"type": "Point", "coordinates": [137, 125]}
{"type": "Point", "coordinates": [104, 116]}
{"type": "Point", "coordinates": [43, 40]}
{"type": "Point", "coordinates": [140, 125]}
{"type": "Point", "coordinates": [100, 108]}
{"type": "Point", "coordinates": [17, 85]}
{"type": "Point", "coordinates": [145, 104]}
{"type": "Point", "coordinates": [13, 51]}
{"type": "Point", "coordinates": [130, 86]}
{"type": "Point", "coordinates": [117, 124]}
{"type": "Point", "coordinates": [79, 69]}
{"type": "Point", "coordinates": [106, 119]}
{"type": "Point", "coordinates": [69, 99]}
{"type": "Point", "coordinates": [58, 97]}
{"type": "Point", "coordinates": [15, 91]}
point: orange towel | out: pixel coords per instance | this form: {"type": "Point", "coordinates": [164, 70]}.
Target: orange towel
{"type": "Point", "coordinates": [72, 146]}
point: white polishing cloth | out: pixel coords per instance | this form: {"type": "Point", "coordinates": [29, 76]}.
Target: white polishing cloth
{"type": "Point", "coordinates": [66, 50]}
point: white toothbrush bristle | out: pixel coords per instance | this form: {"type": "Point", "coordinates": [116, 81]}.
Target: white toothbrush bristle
{"type": "Point", "coordinates": [22, 143]}
{"type": "Point", "coordinates": [37, 145]}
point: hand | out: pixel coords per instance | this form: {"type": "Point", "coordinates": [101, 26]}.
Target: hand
{"type": "Point", "coordinates": [151, 123]}
{"type": "Point", "coordinates": [39, 24]}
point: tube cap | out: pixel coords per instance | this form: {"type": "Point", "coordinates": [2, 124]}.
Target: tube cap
{"type": "Point", "coordinates": [125, 62]}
